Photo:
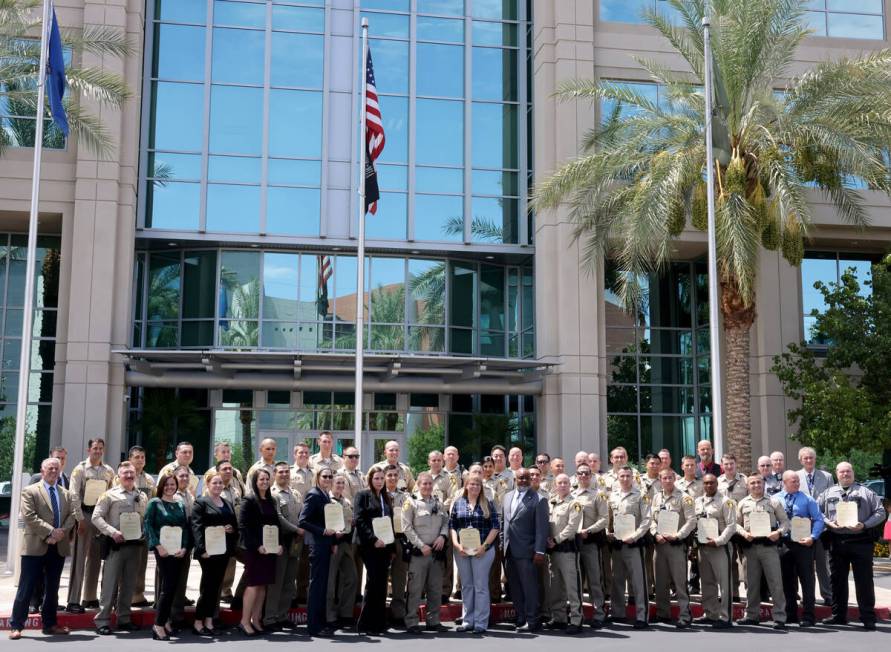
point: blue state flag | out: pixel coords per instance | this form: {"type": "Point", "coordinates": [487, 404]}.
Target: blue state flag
{"type": "Point", "coordinates": [55, 77]}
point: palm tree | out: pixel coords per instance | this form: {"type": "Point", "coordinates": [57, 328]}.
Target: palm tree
{"type": "Point", "coordinates": [640, 176]}
{"type": "Point", "coordinates": [19, 66]}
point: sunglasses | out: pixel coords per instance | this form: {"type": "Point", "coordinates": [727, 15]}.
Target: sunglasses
{"type": "Point", "coordinates": [352, 457]}
{"type": "Point", "coordinates": [583, 473]}
{"type": "Point", "coordinates": [541, 461]}
{"type": "Point", "coordinates": [326, 477]}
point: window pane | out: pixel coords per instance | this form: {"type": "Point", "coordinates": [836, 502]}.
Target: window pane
{"type": "Point", "coordinates": [392, 177]}
{"type": "Point", "coordinates": [179, 52]}
{"type": "Point", "coordinates": [426, 280]}
{"type": "Point", "coordinates": [199, 284]}
{"type": "Point", "coordinates": [298, 173]}
{"type": "Point", "coordinates": [440, 70]}
{"type": "Point", "coordinates": [387, 290]}
{"type": "Point", "coordinates": [440, 132]}
{"type": "Point", "coordinates": [489, 33]}
{"type": "Point", "coordinates": [494, 135]}
{"type": "Point", "coordinates": [494, 220]}
{"type": "Point", "coordinates": [238, 56]}
{"type": "Point", "coordinates": [234, 124]}
{"type": "Point", "coordinates": [439, 180]}
{"type": "Point", "coordinates": [492, 298]}
{"type": "Point", "coordinates": [173, 205]}
{"type": "Point", "coordinates": [234, 168]}
{"type": "Point", "coordinates": [494, 183]}
{"type": "Point", "coordinates": [494, 74]}
{"type": "Point", "coordinates": [301, 19]}
{"type": "Point", "coordinates": [163, 286]}
{"type": "Point", "coordinates": [297, 60]}
{"type": "Point", "coordinates": [394, 111]}
{"type": "Point", "coordinates": [813, 270]}
{"type": "Point", "coordinates": [233, 209]}
{"type": "Point", "coordinates": [440, 29]}
{"type": "Point", "coordinates": [624, 11]}
{"type": "Point", "coordinates": [862, 271]}
{"type": "Point", "coordinates": [240, 284]}
{"type": "Point", "coordinates": [446, 7]}
{"type": "Point", "coordinates": [426, 338]}
{"type": "Point", "coordinates": [178, 121]}
{"type": "Point", "coordinates": [856, 26]}
{"type": "Point", "coordinates": [295, 123]}
{"type": "Point", "coordinates": [439, 217]}
{"type": "Point", "coordinates": [280, 286]}
{"type": "Point", "coordinates": [293, 211]}
{"type": "Point", "coordinates": [390, 66]}
{"type": "Point", "coordinates": [185, 11]}
{"type": "Point", "coordinates": [197, 334]}
{"type": "Point", "coordinates": [164, 166]}
{"type": "Point", "coordinates": [241, 14]}
{"type": "Point", "coordinates": [394, 25]}
{"type": "Point", "coordinates": [391, 219]}
{"type": "Point", "coordinates": [345, 287]}
{"type": "Point", "coordinates": [816, 21]}
{"type": "Point", "coordinates": [463, 298]}
{"type": "Point", "coordinates": [856, 6]}
{"type": "Point", "coordinates": [497, 9]}
{"type": "Point", "coordinates": [395, 5]}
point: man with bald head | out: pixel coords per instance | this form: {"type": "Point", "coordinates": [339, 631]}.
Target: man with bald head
{"type": "Point", "coordinates": [797, 563]}
{"type": "Point", "coordinates": [581, 458]}
{"type": "Point", "coordinates": [267, 461]}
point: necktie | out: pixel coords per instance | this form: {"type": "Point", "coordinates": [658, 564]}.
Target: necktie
{"type": "Point", "coordinates": [57, 515]}
{"type": "Point", "coordinates": [810, 483]}
{"type": "Point", "coordinates": [790, 500]}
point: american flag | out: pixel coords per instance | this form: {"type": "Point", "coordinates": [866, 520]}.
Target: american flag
{"type": "Point", "coordinates": [374, 137]}
{"type": "Point", "coordinates": [325, 272]}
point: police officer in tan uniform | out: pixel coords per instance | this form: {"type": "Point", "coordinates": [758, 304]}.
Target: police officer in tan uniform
{"type": "Point", "coordinates": [564, 582]}
{"type": "Point", "coordinates": [406, 481]}
{"type": "Point", "coordinates": [122, 562]}
{"type": "Point", "coordinates": [671, 548]}
{"type": "Point", "coordinates": [762, 553]}
{"type": "Point", "coordinates": [733, 485]}
{"type": "Point", "coordinates": [355, 479]}
{"type": "Point", "coordinates": [268, 448]}
{"type": "Point", "coordinates": [85, 563]}
{"type": "Point", "coordinates": [689, 483]}
{"type": "Point", "coordinates": [326, 458]}
{"type": "Point", "coordinates": [280, 594]}
{"type": "Point", "coordinates": [146, 484]}
{"type": "Point", "coordinates": [715, 554]}
{"type": "Point", "coordinates": [399, 567]}
{"type": "Point", "coordinates": [301, 482]}
{"type": "Point", "coordinates": [233, 491]}
{"type": "Point", "coordinates": [184, 454]}
{"type": "Point", "coordinates": [425, 520]}
{"type": "Point", "coordinates": [342, 579]}
{"type": "Point", "coordinates": [592, 534]}
{"type": "Point", "coordinates": [628, 553]}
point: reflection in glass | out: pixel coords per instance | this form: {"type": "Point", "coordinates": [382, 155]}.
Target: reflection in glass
{"type": "Point", "coordinates": [440, 29]}
{"type": "Point", "coordinates": [234, 168]}
{"type": "Point", "coordinates": [856, 26]}
{"type": "Point", "coordinates": [394, 111]}
{"type": "Point", "coordinates": [444, 7]}
{"type": "Point", "coordinates": [235, 123]}
{"type": "Point", "coordinates": [280, 272]}
{"type": "Point", "coordinates": [240, 14]}
{"type": "Point", "coordinates": [177, 121]}
{"type": "Point", "coordinates": [495, 9]}
{"type": "Point", "coordinates": [390, 66]}
{"type": "Point", "coordinates": [391, 220]}
{"type": "Point", "coordinates": [439, 132]}
{"type": "Point", "coordinates": [392, 177]}
{"type": "Point", "coordinates": [486, 182]}
{"type": "Point", "coordinates": [494, 135]}
{"type": "Point", "coordinates": [163, 166]}
{"type": "Point", "coordinates": [439, 217]}
{"type": "Point", "coordinates": [294, 172]}
{"type": "Point", "coordinates": [624, 11]}
{"type": "Point", "coordinates": [199, 284]}
{"type": "Point", "coordinates": [442, 180]}
{"type": "Point", "coordinates": [178, 52]}
{"type": "Point", "coordinates": [391, 25]}
{"type": "Point", "coordinates": [490, 33]}
{"type": "Point", "coordinates": [494, 220]}
{"type": "Point", "coordinates": [297, 60]}
{"type": "Point", "coordinates": [171, 205]}
{"type": "Point", "coordinates": [494, 74]}
{"type": "Point", "coordinates": [239, 298]}
{"type": "Point", "coordinates": [388, 290]}
{"type": "Point", "coordinates": [440, 70]}
{"type": "Point", "coordinates": [233, 209]}
{"type": "Point", "coordinates": [295, 123]}
{"type": "Point", "coordinates": [293, 211]}
{"type": "Point", "coordinates": [238, 56]}
{"type": "Point", "coordinates": [462, 290]}
{"type": "Point", "coordinates": [300, 19]}
{"type": "Point", "coordinates": [163, 286]}
{"type": "Point", "coordinates": [183, 11]}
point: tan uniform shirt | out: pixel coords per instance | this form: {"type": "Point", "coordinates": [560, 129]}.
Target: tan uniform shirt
{"type": "Point", "coordinates": [355, 482]}
{"type": "Point", "coordinates": [734, 488]}
{"type": "Point", "coordinates": [442, 486]}
{"type": "Point", "coordinates": [779, 520]}
{"type": "Point", "coordinates": [301, 479]}
{"type": "Point", "coordinates": [406, 478]}
{"type": "Point", "coordinates": [564, 518]}
{"type": "Point", "coordinates": [289, 504]}
{"type": "Point", "coordinates": [168, 469]}
{"type": "Point", "coordinates": [456, 478]}
{"type": "Point", "coordinates": [721, 508]}
{"type": "Point", "coordinates": [690, 487]}
{"type": "Point", "coordinates": [631, 502]}
{"type": "Point", "coordinates": [424, 520]}
{"type": "Point", "coordinates": [79, 477]}
{"type": "Point", "coordinates": [113, 503]}
{"type": "Point", "coordinates": [316, 462]}
{"type": "Point", "coordinates": [595, 509]}
{"type": "Point", "coordinates": [611, 480]}
{"type": "Point", "coordinates": [651, 485]}
{"type": "Point", "coordinates": [256, 466]}
{"type": "Point", "coordinates": [679, 502]}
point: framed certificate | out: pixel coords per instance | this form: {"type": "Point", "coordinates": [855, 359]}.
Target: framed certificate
{"type": "Point", "coordinates": [667, 523]}
{"type": "Point", "coordinates": [334, 517]}
{"type": "Point", "coordinates": [469, 538]}
{"type": "Point", "coordinates": [801, 528]}
{"type": "Point", "coordinates": [215, 540]}
{"type": "Point", "coordinates": [624, 526]}
{"type": "Point", "coordinates": [846, 514]}
{"type": "Point", "coordinates": [759, 524]}
{"type": "Point", "coordinates": [172, 539]}
{"type": "Point", "coordinates": [93, 489]}
{"type": "Point", "coordinates": [270, 539]}
{"type": "Point", "coordinates": [383, 529]}
{"type": "Point", "coordinates": [706, 528]}
{"type": "Point", "coordinates": [397, 522]}
{"type": "Point", "coordinates": [131, 526]}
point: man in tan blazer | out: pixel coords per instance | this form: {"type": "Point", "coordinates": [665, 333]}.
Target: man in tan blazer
{"type": "Point", "coordinates": [48, 515]}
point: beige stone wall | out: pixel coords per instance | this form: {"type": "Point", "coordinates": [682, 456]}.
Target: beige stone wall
{"type": "Point", "coordinates": [570, 41]}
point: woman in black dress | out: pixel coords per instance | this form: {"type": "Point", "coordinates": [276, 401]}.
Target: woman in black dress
{"type": "Point", "coordinates": [257, 509]}
{"type": "Point", "coordinates": [212, 510]}
{"type": "Point", "coordinates": [372, 503]}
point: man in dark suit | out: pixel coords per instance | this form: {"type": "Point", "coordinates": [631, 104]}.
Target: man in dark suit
{"type": "Point", "coordinates": [62, 455]}
{"type": "Point", "coordinates": [319, 539]}
{"type": "Point", "coordinates": [815, 482]}
{"type": "Point", "coordinates": [48, 516]}
{"type": "Point", "coordinates": [525, 536]}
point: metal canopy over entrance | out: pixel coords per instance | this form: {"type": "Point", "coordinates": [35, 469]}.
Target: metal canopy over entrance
{"type": "Point", "coordinates": [285, 370]}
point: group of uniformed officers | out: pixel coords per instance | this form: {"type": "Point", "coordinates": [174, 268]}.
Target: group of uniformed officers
{"type": "Point", "coordinates": [537, 535]}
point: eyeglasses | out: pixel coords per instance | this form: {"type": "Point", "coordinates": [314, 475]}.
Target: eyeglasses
{"type": "Point", "coordinates": [326, 477]}
{"type": "Point", "coordinates": [352, 457]}
{"type": "Point", "coordinates": [541, 461]}
{"type": "Point", "coordinates": [583, 473]}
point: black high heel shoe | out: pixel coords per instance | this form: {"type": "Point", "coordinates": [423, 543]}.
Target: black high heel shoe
{"type": "Point", "coordinates": [158, 637]}
{"type": "Point", "coordinates": [245, 632]}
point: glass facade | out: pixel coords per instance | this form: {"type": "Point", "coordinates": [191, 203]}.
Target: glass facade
{"type": "Point", "coordinates": [658, 393]}
{"type": "Point", "coordinates": [279, 300]}
{"type": "Point", "coordinates": [17, 116]}
{"type": "Point", "coordinates": [42, 342]}
{"type": "Point", "coordinates": [828, 267]}
{"type": "Point", "coordinates": [861, 19]}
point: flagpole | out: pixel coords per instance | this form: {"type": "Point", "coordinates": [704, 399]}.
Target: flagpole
{"type": "Point", "coordinates": [714, 315]}
{"type": "Point", "coordinates": [360, 253]}
{"type": "Point", "coordinates": [21, 412]}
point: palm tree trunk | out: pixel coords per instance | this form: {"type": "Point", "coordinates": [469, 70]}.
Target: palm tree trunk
{"type": "Point", "coordinates": [738, 319]}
